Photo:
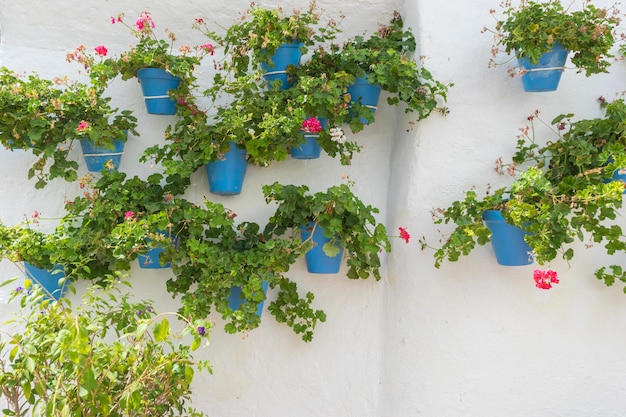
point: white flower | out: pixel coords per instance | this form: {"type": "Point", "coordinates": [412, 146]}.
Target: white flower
{"type": "Point", "coordinates": [337, 134]}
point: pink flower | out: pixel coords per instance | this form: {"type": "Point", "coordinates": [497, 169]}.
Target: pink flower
{"type": "Point", "coordinates": [83, 126]}
{"type": "Point", "coordinates": [116, 19]}
{"type": "Point", "coordinates": [199, 20]}
{"type": "Point", "coordinates": [101, 50]}
{"type": "Point", "coordinates": [144, 22]}
{"type": "Point", "coordinates": [35, 214]}
{"type": "Point", "coordinates": [545, 279]}
{"type": "Point", "coordinates": [208, 48]}
{"type": "Point", "coordinates": [312, 125]}
{"type": "Point", "coordinates": [128, 215]}
{"type": "Point", "coordinates": [404, 235]}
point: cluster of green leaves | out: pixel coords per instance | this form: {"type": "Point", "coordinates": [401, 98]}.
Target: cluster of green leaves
{"type": "Point", "coordinates": [384, 58]}
{"type": "Point", "coordinates": [42, 116]}
{"type": "Point", "coordinates": [107, 356]}
{"type": "Point", "coordinates": [532, 28]}
{"type": "Point", "coordinates": [566, 192]}
{"type": "Point", "coordinates": [343, 217]}
{"type": "Point", "coordinates": [256, 36]}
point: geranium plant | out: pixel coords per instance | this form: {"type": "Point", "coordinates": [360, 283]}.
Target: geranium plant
{"type": "Point", "coordinates": [46, 116]}
{"type": "Point", "coordinates": [344, 217]}
{"type": "Point", "coordinates": [107, 356]}
{"type": "Point", "coordinates": [565, 191]}
{"type": "Point", "coordinates": [385, 59]}
{"type": "Point", "coordinates": [531, 28]}
{"type": "Point", "coordinates": [260, 31]}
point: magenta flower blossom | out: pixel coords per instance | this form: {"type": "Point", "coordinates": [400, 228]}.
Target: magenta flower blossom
{"type": "Point", "coordinates": [101, 50]}
{"type": "Point", "coordinates": [144, 22]}
{"type": "Point", "coordinates": [208, 48]}
{"type": "Point", "coordinates": [128, 215]}
{"type": "Point", "coordinates": [83, 126]}
{"type": "Point", "coordinates": [545, 279]}
{"type": "Point", "coordinates": [404, 235]}
{"type": "Point", "coordinates": [312, 125]}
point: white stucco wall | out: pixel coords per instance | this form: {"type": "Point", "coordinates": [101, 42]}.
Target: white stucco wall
{"type": "Point", "coordinates": [470, 339]}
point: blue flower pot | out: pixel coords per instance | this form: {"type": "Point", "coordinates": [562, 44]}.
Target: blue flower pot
{"type": "Point", "coordinates": [155, 84]}
{"type": "Point", "coordinates": [151, 259]}
{"type": "Point", "coordinates": [507, 240]}
{"type": "Point", "coordinates": [226, 175]}
{"type": "Point", "coordinates": [286, 54]}
{"type": "Point", "coordinates": [235, 298]}
{"type": "Point", "coordinates": [365, 93]}
{"type": "Point", "coordinates": [317, 262]}
{"type": "Point", "coordinates": [544, 76]}
{"type": "Point", "coordinates": [310, 148]}
{"type": "Point", "coordinates": [97, 157]}
{"type": "Point", "coordinates": [48, 279]}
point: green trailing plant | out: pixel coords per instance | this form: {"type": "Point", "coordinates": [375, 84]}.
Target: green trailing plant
{"type": "Point", "coordinates": [566, 190]}
{"type": "Point", "coordinates": [148, 52]}
{"type": "Point", "coordinates": [216, 255]}
{"type": "Point", "coordinates": [108, 225]}
{"type": "Point", "coordinates": [45, 117]}
{"type": "Point", "coordinates": [344, 217]}
{"type": "Point", "coordinates": [531, 28]}
{"type": "Point", "coordinates": [106, 356]}
{"type": "Point", "coordinates": [385, 59]}
{"type": "Point", "coordinates": [258, 33]}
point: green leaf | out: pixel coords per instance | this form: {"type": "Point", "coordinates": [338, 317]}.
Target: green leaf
{"type": "Point", "coordinates": [162, 330]}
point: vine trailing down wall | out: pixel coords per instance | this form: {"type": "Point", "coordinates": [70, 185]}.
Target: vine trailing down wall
{"type": "Point", "coordinates": [265, 112]}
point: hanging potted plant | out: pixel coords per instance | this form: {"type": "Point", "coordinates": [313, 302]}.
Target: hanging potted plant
{"type": "Point", "coordinates": [384, 62]}
{"type": "Point", "coordinates": [165, 74]}
{"type": "Point", "coordinates": [270, 40]}
{"type": "Point", "coordinates": [565, 192]}
{"type": "Point", "coordinates": [341, 221]}
{"type": "Point", "coordinates": [107, 226]}
{"type": "Point", "coordinates": [44, 117]}
{"type": "Point", "coordinates": [38, 254]}
{"type": "Point", "coordinates": [542, 35]}
{"type": "Point", "coordinates": [255, 126]}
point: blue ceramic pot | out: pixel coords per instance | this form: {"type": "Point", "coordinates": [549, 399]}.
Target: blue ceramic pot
{"type": "Point", "coordinates": [317, 262]}
{"type": "Point", "coordinates": [286, 54]}
{"type": "Point", "coordinates": [507, 240]}
{"type": "Point", "coordinates": [235, 298]}
{"type": "Point", "coordinates": [546, 74]}
{"type": "Point", "coordinates": [155, 84]}
{"type": "Point", "coordinates": [97, 157]}
{"type": "Point", "coordinates": [48, 279]}
{"type": "Point", "coordinates": [226, 175]}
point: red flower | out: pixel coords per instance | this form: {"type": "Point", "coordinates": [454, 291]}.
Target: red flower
{"type": "Point", "coordinates": [101, 50]}
{"type": "Point", "coordinates": [83, 126]}
{"type": "Point", "coordinates": [545, 279]}
{"type": "Point", "coordinates": [144, 22]}
{"type": "Point", "coordinates": [404, 235]}
{"type": "Point", "coordinates": [207, 47]}
{"type": "Point", "coordinates": [312, 125]}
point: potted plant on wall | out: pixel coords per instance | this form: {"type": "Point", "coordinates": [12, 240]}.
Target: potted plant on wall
{"type": "Point", "coordinates": [383, 61]}
{"type": "Point", "coordinates": [270, 40]}
{"type": "Point", "coordinates": [107, 226]}
{"type": "Point", "coordinates": [339, 218]}
{"type": "Point", "coordinates": [44, 117]}
{"type": "Point", "coordinates": [543, 34]}
{"type": "Point", "coordinates": [39, 255]}
{"type": "Point", "coordinates": [567, 192]}
{"type": "Point", "coordinates": [63, 359]}
{"type": "Point", "coordinates": [165, 75]}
